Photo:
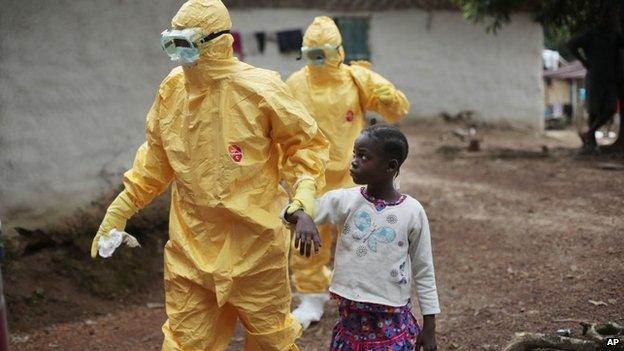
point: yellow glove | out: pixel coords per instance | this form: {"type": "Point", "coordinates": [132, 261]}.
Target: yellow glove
{"type": "Point", "coordinates": [304, 198]}
{"type": "Point", "coordinates": [385, 93]}
{"type": "Point", "coordinates": [119, 211]}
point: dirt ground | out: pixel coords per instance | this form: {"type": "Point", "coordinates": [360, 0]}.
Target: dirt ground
{"type": "Point", "coordinates": [527, 236]}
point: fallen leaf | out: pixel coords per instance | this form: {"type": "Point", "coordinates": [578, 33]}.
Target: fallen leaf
{"type": "Point", "coordinates": [153, 305]}
{"type": "Point", "coordinates": [597, 303]}
{"type": "Point", "coordinates": [17, 339]}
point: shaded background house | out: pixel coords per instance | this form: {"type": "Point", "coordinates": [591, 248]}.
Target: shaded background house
{"type": "Point", "coordinates": [565, 101]}
{"type": "Point", "coordinates": [564, 92]}
{"type": "Point", "coordinates": [73, 100]}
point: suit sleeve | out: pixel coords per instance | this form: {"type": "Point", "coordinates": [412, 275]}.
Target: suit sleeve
{"type": "Point", "coordinates": [151, 172]}
{"type": "Point", "coordinates": [422, 265]}
{"type": "Point", "coordinates": [305, 150]}
{"type": "Point", "coordinates": [367, 81]}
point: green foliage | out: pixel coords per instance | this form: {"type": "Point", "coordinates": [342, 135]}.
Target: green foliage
{"type": "Point", "coordinates": [577, 15]}
{"type": "Point", "coordinates": [555, 38]}
{"type": "Point", "coordinates": [557, 16]}
{"type": "Point", "coordinates": [498, 11]}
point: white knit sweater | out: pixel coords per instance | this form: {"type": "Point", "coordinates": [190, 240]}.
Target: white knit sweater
{"type": "Point", "coordinates": [380, 249]}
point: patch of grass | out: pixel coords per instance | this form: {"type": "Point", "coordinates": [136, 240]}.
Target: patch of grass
{"type": "Point", "coordinates": [449, 151]}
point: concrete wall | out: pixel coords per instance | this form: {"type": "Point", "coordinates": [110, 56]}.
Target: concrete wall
{"type": "Point", "coordinates": [77, 77]}
{"type": "Point", "coordinates": [76, 80]}
{"type": "Point", "coordinates": [441, 62]}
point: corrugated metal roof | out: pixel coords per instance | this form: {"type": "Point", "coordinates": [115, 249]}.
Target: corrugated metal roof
{"type": "Point", "coordinates": [346, 5]}
{"type": "Point", "coordinates": [574, 70]}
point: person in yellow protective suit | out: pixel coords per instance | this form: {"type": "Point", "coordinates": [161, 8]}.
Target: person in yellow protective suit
{"type": "Point", "coordinates": [213, 133]}
{"type": "Point", "coordinates": [337, 96]}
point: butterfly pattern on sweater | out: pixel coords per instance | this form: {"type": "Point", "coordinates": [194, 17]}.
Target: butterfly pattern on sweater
{"type": "Point", "coordinates": [370, 233]}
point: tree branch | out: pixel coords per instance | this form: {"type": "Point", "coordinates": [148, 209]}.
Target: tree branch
{"type": "Point", "coordinates": [531, 341]}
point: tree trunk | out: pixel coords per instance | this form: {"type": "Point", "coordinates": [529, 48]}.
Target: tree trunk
{"type": "Point", "coordinates": [532, 341]}
{"type": "Point", "coordinates": [618, 145]}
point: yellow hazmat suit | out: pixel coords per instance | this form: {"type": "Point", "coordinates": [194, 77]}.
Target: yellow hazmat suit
{"type": "Point", "coordinates": [213, 133]}
{"type": "Point", "coordinates": [337, 96]}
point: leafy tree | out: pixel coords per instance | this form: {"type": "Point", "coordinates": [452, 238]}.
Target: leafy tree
{"type": "Point", "coordinates": [556, 15]}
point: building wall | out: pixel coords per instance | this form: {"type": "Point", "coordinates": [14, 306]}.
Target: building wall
{"type": "Point", "coordinates": [77, 78]}
{"type": "Point", "coordinates": [440, 61]}
{"type": "Point", "coordinates": [557, 92]}
{"type": "Point", "coordinates": [76, 81]}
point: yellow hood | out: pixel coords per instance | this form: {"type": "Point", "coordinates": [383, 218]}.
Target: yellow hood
{"type": "Point", "coordinates": [212, 17]}
{"type": "Point", "coordinates": [323, 31]}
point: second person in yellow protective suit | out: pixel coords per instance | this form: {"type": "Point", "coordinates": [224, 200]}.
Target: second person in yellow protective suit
{"type": "Point", "coordinates": [213, 134]}
{"type": "Point", "coordinates": [337, 96]}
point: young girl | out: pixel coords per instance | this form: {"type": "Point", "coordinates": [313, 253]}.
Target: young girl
{"type": "Point", "coordinates": [384, 244]}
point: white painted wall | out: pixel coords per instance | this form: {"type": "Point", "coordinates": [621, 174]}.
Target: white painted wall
{"type": "Point", "coordinates": [448, 66]}
{"type": "Point", "coordinates": [77, 77]}
{"type": "Point", "coordinates": [76, 81]}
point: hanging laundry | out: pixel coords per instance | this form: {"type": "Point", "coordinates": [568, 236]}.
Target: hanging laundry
{"type": "Point", "coordinates": [289, 40]}
{"type": "Point", "coordinates": [261, 41]}
{"type": "Point", "coordinates": [251, 46]}
{"type": "Point", "coordinates": [238, 45]}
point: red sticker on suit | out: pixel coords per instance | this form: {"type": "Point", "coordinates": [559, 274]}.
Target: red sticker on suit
{"type": "Point", "coordinates": [349, 116]}
{"type": "Point", "coordinates": [236, 153]}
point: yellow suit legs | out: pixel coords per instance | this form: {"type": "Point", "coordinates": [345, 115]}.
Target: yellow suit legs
{"type": "Point", "coordinates": [261, 302]}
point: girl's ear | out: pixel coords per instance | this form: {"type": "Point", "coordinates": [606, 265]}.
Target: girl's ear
{"type": "Point", "coordinates": [393, 166]}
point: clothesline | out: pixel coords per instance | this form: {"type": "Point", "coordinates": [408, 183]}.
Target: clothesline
{"type": "Point", "coordinates": [254, 43]}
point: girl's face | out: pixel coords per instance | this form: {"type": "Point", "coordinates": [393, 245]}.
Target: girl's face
{"type": "Point", "coordinates": [369, 164]}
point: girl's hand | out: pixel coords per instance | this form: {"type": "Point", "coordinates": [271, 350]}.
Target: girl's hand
{"type": "Point", "coordinates": [426, 339]}
{"type": "Point", "coordinates": [306, 233]}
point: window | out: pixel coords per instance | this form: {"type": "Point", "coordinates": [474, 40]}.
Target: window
{"type": "Point", "coordinates": [354, 32]}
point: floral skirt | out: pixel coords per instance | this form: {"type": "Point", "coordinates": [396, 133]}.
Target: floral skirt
{"type": "Point", "coordinates": [372, 327]}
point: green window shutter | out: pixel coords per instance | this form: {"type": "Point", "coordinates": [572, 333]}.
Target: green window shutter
{"type": "Point", "coordinates": [354, 32]}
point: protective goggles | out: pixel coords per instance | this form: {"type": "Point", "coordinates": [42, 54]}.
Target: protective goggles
{"type": "Point", "coordinates": [183, 45]}
{"type": "Point", "coordinates": [319, 54]}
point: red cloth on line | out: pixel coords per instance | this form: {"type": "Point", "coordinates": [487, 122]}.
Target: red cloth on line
{"type": "Point", "coordinates": [238, 45]}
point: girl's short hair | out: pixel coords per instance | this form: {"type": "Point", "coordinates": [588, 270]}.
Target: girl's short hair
{"type": "Point", "coordinates": [393, 142]}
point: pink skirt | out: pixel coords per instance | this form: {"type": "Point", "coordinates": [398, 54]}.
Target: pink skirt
{"type": "Point", "coordinates": [372, 327]}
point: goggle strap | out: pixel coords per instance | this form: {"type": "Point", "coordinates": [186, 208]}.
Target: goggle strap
{"type": "Point", "coordinates": [211, 36]}
{"type": "Point", "coordinates": [300, 57]}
